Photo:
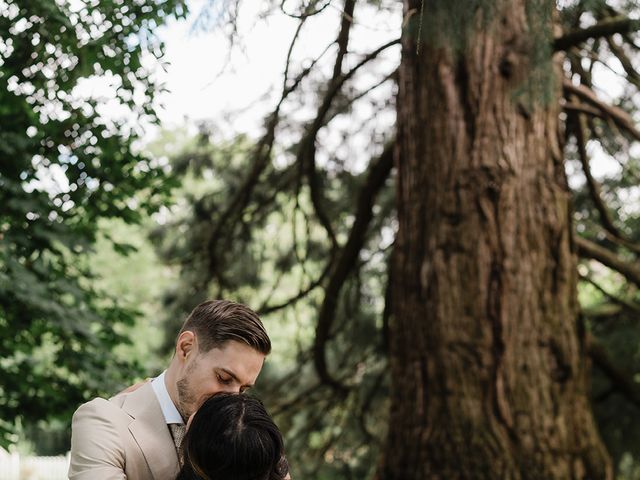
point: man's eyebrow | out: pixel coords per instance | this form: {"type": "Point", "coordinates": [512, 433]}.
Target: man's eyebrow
{"type": "Point", "coordinates": [234, 376]}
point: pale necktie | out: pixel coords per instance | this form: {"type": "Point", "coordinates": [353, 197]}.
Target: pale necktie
{"type": "Point", "coordinates": [177, 432]}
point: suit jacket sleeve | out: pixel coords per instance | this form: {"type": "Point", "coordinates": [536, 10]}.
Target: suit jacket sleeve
{"type": "Point", "coordinates": [97, 451]}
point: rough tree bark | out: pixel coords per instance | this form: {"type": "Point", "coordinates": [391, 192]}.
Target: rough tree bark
{"type": "Point", "coordinates": [488, 360]}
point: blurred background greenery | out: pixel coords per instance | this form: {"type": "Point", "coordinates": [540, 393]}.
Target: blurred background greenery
{"type": "Point", "coordinates": [109, 235]}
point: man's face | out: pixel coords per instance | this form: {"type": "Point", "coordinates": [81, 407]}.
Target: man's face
{"type": "Point", "coordinates": [233, 367]}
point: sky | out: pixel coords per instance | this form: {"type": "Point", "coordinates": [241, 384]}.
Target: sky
{"type": "Point", "coordinates": [206, 82]}
{"type": "Point", "coordinates": [203, 83]}
{"type": "Point", "coordinates": [201, 80]}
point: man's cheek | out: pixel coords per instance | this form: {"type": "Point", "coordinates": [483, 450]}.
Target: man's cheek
{"type": "Point", "coordinates": [206, 392]}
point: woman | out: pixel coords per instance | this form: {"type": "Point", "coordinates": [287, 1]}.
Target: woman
{"type": "Point", "coordinates": [231, 437]}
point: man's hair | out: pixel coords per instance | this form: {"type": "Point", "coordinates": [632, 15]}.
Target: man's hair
{"type": "Point", "coordinates": [233, 437]}
{"type": "Point", "coordinates": [218, 321]}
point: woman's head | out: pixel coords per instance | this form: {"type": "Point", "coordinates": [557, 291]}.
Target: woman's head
{"type": "Point", "coordinates": [231, 437]}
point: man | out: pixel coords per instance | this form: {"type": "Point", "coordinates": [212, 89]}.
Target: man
{"type": "Point", "coordinates": [136, 434]}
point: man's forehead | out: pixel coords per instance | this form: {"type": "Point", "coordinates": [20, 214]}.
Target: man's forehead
{"type": "Point", "coordinates": [242, 362]}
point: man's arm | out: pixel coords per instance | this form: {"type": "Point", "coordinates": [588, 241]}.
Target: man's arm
{"type": "Point", "coordinates": [97, 451]}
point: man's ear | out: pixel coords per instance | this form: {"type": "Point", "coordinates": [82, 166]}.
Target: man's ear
{"type": "Point", "coordinates": [186, 345]}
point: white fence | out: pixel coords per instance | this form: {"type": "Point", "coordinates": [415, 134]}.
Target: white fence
{"type": "Point", "coordinates": [13, 466]}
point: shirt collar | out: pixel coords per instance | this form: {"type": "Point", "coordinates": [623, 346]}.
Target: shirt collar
{"type": "Point", "coordinates": [169, 410]}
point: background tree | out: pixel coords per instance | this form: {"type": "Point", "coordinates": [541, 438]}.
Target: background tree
{"type": "Point", "coordinates": [301, 222]}
{"type": "Point", "coordinates": [488, 375]}
{"type": "Point", "coordinates": [321, 180]}
{"type": "Point", "coordinates": [68, 160]}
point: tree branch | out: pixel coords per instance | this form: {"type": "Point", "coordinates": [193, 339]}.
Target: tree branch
{"type": "Point", "coordinates": [594, 189]}
{"type": "Point", "coordinates": [589, 249]}
{"type": "Point", "coordinates": [618, 51]}
{"type": "Point", "coordinates": [366, 405]}
{"type": "Point", "coordinates": [629, 306]}
{"type": "Point", "coordinates": [343, 36]}
{"type": "Point", "coordinates": [581, 108]}
{"type": "Point", "coordinates": [378, 173]}
{"type": "Point", "coordinates": [604, 28]}
{"type": "Point", "coordinates": [307, 150]}
{"type": "Point", "coordinates": [620, 380]}
{"type": "Point", "coordinates": [619, 116]}
{"type": "Point", "coordinates": [260, 160]}
{"type": "Point", "coordinates": [266, 309]}
{"type": "Point", "coordinates": [308, 11]}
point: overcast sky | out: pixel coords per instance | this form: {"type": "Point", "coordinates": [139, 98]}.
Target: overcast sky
{"type": "Point", "coordinates": [204, 85]}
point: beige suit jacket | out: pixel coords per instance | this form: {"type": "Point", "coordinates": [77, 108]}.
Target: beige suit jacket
{"type": "Point", "coordinates": [125, 437]}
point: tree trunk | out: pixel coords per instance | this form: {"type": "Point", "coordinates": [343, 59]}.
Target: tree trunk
{"type": "Point", "coordinates": [488, 359]}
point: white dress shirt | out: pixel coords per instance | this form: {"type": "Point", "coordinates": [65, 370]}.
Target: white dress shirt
{"type": "Point", "coordinates": [169, 410]}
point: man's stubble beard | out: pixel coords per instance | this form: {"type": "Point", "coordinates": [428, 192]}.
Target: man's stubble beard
{"type": "Point", "coordinates": [186, 397]}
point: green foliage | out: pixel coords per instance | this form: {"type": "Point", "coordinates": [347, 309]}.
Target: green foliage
{"type": "Point", "coordinates": [610, 304]}
{"type": "Point", "coordinates": [66, 163]}
{"type": "Point", "coordinates": [275, 249]}
{"type": "Point", "coordinates": [138, 280]}
{"type": "Point", "coordinates": [613, 318]}
{"type": "Point", "coordinates": [262, 245]}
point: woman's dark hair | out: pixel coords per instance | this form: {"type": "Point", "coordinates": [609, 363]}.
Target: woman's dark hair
{"type": "Point", "coordinates": [232, 437]}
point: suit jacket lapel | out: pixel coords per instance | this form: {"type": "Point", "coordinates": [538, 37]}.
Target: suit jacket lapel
{"type": "Point", "coordinates": [151, 433]}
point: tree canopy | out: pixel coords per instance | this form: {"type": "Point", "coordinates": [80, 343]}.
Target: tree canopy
{"type": "Point", "coordinates": [320, 180]}
{"type": "Point", "coordinates": [298, 223]}
{"type": "Point", "coordinates": [75, 88]}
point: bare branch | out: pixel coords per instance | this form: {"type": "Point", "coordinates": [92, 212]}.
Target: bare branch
{"type": "Point", "coordinates": [629, 306]}
{"type": "Point", "coordinates": [309, 11]}
{"type": "Point", "coordinates": [307, 148]}
{"type": "Point", "coordinates": [604, 28]}
{"type": "Point", "coordinates": [582, 108]}
{"type": "Point", "coordinates": [301, 397]}
{"type": "Point", "coordinates": [576, 57]}
{"type": "Point", "coordinates": [261, 157]}
{"type": "Point", "coordinates": [629, 41]}
{"type": "Point", "coordinates": [594, 188]}
{"type": "Point", "coordinates": [350, 101]}
{"type": "Point", "coordinates": [266, 309]}
{"type": "Point", "coordinates": [378, 173]}
{"type": "Point", "coordinates": [620, 380]}
{"type": "Point", "coordinates": [307, 144]}
{"type": "Point", "coordinates": [589, 249]}
{"type": "Point", "coordinates": [623, 241]}
{"type": "Point", "coordinates": [632, 74]}
{"type": "Point", "coordinates": [290, 51]}
{"type": "Point", "coordinates": [343, 36]}
{"type": "Point", "coordinates": [260, 160]}
{"type": "Point", "coordinates": [366, 406]}
{"type": "Point", "coordinates": [619, 116]}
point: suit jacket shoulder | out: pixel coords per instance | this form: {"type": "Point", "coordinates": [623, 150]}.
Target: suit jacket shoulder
{"type": "Point", "coordinates": [124, 437]}
{"type": "Point", "coordinates": [97, 447]}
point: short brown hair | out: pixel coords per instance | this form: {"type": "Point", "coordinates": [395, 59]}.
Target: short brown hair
{"type": "Point", "coordinates": [218, 321]}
